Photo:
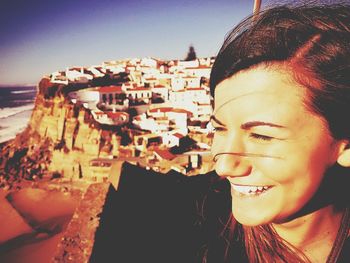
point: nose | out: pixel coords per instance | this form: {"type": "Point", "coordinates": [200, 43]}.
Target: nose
{"type": "Point", "coordinates": [232, 164]}
{"type": "Point", "coordinates": [231, 159]}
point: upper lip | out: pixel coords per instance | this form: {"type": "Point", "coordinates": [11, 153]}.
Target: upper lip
{"type": "Point", "coordinates": [250, 184]}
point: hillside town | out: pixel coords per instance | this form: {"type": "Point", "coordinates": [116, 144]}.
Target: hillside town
{"type": "Point", "coordinates": [148, 112]}
{"type": "Point", "coordinates": [165, 104]}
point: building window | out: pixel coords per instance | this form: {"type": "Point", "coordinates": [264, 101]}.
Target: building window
{"type": "Point", "coordinates": [104, 98]}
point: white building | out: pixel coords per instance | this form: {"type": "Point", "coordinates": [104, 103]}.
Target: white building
{"type": "Point", "coordinates": [89, 96]}
{"type": "Point", "coordinates": [77, 75]}
{"type": "Point", "coordinates": [202, 111]}
{"type": "Point", "coordinates": [192, 81]}
{"type": "Point", "coordinates": [197, 94]}
{"type": "Point", "coordinates": [110, 118]}
{"type": "Point", "coordinates": [96, 71]}
{"type": "Point", "coordinates": [179, 99]}
{"type": "Point", "coordinates": [163, 91]}
{"type": "Point", "coordinates": [171, 139]}
{"type": "Point", "coordinates": [150, 124]}
{"type": "Point", "coordinates": [150, 62]}
{"type": "Point", "coordinates": [151, 81]}
{"type": "Point", "coordinates": [200, 71]}
{"type": "Point", "coordinates": [187, 64]}
{"type": "Point", "coordinates": [59, 77]}
{"type": "Point", "coordinates": [177, 116]}
{"type": "Point", "coordinates": [112, 95]}
{"type": "Point", "coordinates": [139, 93]}
{"type": "Point", "coordinates": [177, 83]}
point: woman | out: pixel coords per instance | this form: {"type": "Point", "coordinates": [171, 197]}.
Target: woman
{"type": "Point", "coordinates": [281, 86]}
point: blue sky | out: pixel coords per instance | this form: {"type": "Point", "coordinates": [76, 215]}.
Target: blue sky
{"type": "Point", "coordinates": [38, 37]}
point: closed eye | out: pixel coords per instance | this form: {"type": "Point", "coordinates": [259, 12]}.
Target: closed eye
{"type": "Point", "coordinates": [260, 137]}
{"type": "Point", "coordinates": [218, 128]}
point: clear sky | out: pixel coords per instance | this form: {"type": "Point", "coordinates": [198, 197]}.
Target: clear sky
{"type": "Point", "coordinates": [38, 37]}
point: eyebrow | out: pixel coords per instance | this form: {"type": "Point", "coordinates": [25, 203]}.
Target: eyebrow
{"type": "Point", "coordinates": [250, 124]}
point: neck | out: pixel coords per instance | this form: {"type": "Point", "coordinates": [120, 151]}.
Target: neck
{"type": "Point", "coordinates": [313, 234]}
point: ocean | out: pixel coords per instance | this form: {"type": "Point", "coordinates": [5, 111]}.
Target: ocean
{"type": "Point", "coordinates": [16, 106]}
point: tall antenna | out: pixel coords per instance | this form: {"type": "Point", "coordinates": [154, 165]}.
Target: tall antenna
{"type": "Point", "coordinates": [256, 8]}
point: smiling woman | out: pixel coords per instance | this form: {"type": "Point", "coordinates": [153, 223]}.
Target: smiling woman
{"type": "Point", "coordinates": [281, 150]}
{"type": "Point", "coordinates": [280, 85]}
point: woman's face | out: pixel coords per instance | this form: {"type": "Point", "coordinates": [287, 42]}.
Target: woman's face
{"type": "Point", "coordinates": [278, 150]}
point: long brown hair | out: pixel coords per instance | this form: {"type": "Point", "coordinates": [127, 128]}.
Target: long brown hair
{"type": "Point", "coordinates": [312, 37]}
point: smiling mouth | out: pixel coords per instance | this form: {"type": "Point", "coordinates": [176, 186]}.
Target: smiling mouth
{"type": "Point", "coordinates": [249, 190]}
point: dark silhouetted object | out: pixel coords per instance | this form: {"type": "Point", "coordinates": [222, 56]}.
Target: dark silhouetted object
{"type": "Point", "coordinates": [165, 218]}
{"type": "Point", "coordinates": [191, 55]}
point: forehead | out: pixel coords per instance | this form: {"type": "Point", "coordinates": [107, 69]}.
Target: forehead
{"type": "Point", "coordinates": [260, 85]}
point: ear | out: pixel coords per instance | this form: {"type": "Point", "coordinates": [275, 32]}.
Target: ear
{"type": "Point", "coordinates": [344, 154]}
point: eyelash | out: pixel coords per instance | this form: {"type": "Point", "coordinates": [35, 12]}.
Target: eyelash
{"type": "Point", "coordinates": [260, 137]}
{"type": "Point", "coordinates": [252, 135]}
{"type": "Point", "coordinates": [218, 129]}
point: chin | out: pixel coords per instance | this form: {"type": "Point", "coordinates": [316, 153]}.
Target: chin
{"type": "Point", "coordinates": [251, 219]}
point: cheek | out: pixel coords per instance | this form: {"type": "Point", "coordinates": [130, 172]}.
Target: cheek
{"type": "Point", "coordinates": [320, 160]}
{"type": "Point", "coordinates": [297, 161]}
{"type": "Point", "coordinates": [298, 177]}
{"type": "Point", "coordinates": [317, 157]}
{"type": "Point", "coordinates": [288, 171]}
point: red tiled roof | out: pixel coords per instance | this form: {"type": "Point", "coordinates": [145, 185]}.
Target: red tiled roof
{"type": "Point", "coordinates": [164, 154]}
{"type": "Point", "coordinates": [138, 89]}
{"type": "Point", "coordinates": [110, 89]}
{"type": "Point", "coordinates": [195, 89]}
{"type": "Point", "coordinates": [182, 111]}
{"type": "Point", "coordinates": [190, 77]}
{"type": "Point", "coordinates": [163, 109]}
{"type": "Point", "coordinates": [178, 135]}
{"type": "Point", "coordinates": [199, 67]}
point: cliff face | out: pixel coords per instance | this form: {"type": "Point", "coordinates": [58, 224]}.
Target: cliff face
{"type": "Point", "coordinates": [61, 140]}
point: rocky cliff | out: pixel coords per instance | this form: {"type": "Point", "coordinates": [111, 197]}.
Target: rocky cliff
{"type": "Point", "coordinates": [61, 140]}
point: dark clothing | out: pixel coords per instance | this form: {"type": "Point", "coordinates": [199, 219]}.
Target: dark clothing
{"type": "Point", "coordinates": [157, 217]}
{"type": "Point", "coordinates": [169, 218]}
{"type": "Point", "coordinates": [344, 256]}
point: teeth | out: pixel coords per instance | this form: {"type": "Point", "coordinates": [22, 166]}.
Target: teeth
{"type": "Point", "coordinates": [246, 190]}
